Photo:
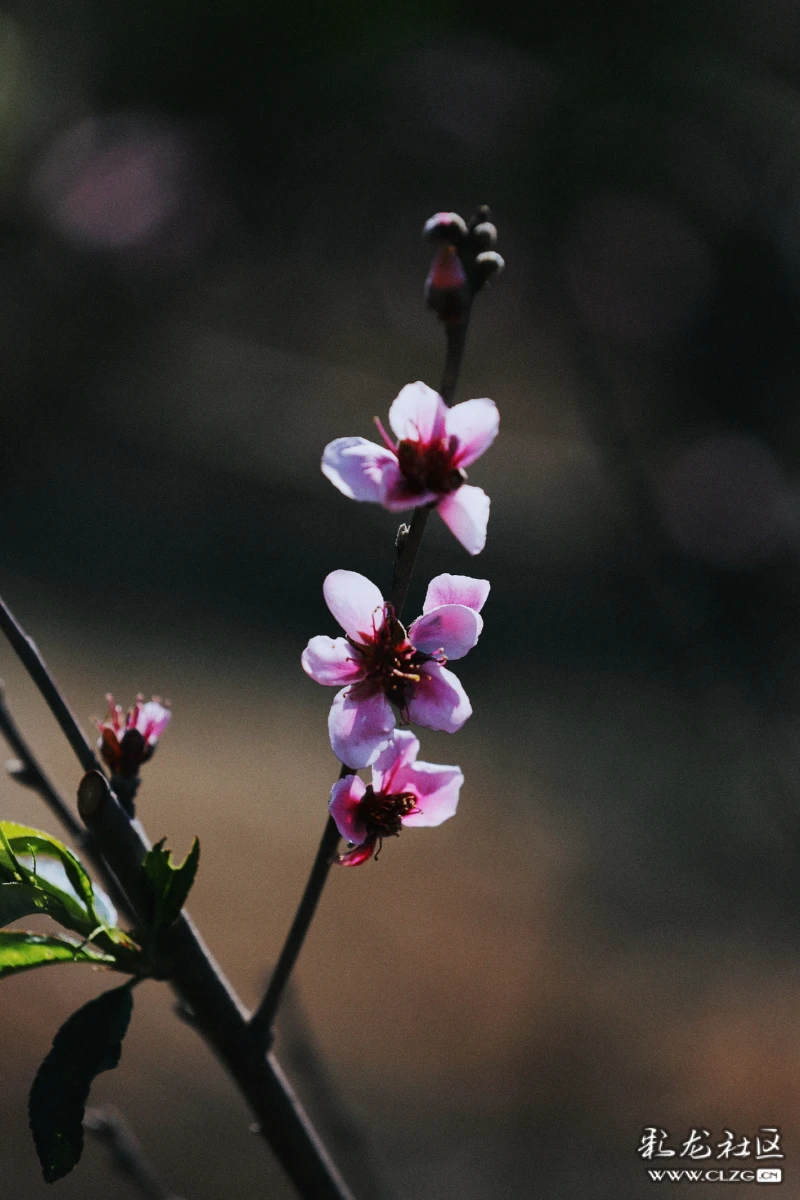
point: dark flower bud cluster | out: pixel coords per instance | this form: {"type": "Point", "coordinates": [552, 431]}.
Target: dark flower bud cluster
{"type": "Point", "coordinates": [465, 261]}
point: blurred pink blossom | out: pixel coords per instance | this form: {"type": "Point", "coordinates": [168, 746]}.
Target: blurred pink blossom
{"type": "Point", "coordinates": [383, 665]}
{"type": "Point", "coordinates": [426, 466]}
{"type": "Point", "coordinates": [126, 182]}
{"type": "Point", "coordinates": [403, 793]}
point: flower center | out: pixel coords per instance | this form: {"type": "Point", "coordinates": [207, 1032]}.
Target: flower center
{"type": "Point", "coordinates": [383, 814]}
{"type": "Point", "coordinates": [429, 467]}
{"type": "Point", "coordinates": [391, 660]}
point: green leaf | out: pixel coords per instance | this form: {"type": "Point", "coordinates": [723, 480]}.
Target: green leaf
{"type": "Point", "coordinates": [22, 840]}
{"type": "Point", "coordinates": [170, 884]}
{"type": "Point", "coordinates": [46, 877]}
{"type": "Point", "coordinates": [21, 951]}
{"type": "Point", "coordinates": [44, 897]}
{"type": "Point", "coordinates": [87, 1044]}
{"type": "Point", "coordinates": [40, 875]}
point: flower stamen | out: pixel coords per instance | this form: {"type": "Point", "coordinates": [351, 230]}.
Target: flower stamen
{"type": "Point", "coordinates": [382, 431]}
{"type": "Point", "coordinates": [383, 813]}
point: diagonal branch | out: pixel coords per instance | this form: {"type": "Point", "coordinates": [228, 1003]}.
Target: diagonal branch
{"type": "Point", "coordinates": [25, 770]}
{"type": "Point", "coordinates": [34, 664]}
{"type": "Point", "coordinates": [264, 1016]}
{"type": "Point", "coordinates": [118, 846]}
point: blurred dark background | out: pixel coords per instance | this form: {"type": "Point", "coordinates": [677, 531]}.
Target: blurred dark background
{"type": "Point", "coordinates": [210, 265]}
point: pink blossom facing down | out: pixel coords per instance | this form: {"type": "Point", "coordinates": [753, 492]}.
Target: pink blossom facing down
{"type": "Point", "coordinates": [403, 793]}
{"type": "Point", "coordinates": [427, 465]}
{"type": "Point", "coordinates": [128, 740]}
{"type": "Point", "coordinates": [385, 668]}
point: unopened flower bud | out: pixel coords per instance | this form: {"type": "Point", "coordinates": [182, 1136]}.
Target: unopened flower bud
{"type": "Point", "coordinates": [446, 227]}
{"type": "Point", "coordinates": [446, 288]}
{"type": "Point", "coordinates": [128, 740]}
{"type": "Point", "coordinates": [488, 264]}
{"type": "Point", "coordinates": [482, 213]}
{"type": "Point", "coordinates": [484, 235]}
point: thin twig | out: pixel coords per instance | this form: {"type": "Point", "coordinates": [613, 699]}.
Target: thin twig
{"type": "Point", "coordinates": [264, 1016]}
{"type": "Point", "coordinates": [34, 664]}
{"type": "Point", "coordinates": [456, 340]}
{"type": "Point", "coordinates": [407, 548]}
{"type": "Point", "coordinates": [196, 977]}
{"type": "Point", "coordinates": [27, 772]}
{"type": "Point", "coordinates": [109, 1126]}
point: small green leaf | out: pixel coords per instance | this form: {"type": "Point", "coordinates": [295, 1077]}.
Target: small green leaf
{"type": "Point", "coordinates": [47, 897]}
{"type": "Point", "coordinates": [21, 951]}
{"type": "Point", "coordinates": [87, 1044]}
{"type": "Point", "coordinates": [40, 875]}
{"type": "Point", "coordinates": [47, 877]}
{"type": "Point", "coordinates": [21, 839]}
{"type": "Point", "coordinates": [170, 884]}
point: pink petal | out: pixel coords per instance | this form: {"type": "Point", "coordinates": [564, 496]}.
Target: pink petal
{"type": "Point", "coordinates": [452, 628]}
{"type": "Point", "coordinates": [401, 752]}
{"type": "Point", "coordinates": [465, 512]}
{"type": "Point", "coordinates": [346, 797]}
{"type": "Point", "coordinates": [332, 661]}
{"type": "Point", "coordinates": [152, 720]}
{"type": "Point", "coordinates": [359, 726]}
{"type": "Point", "coordinates": [475, 424]}
{"type": "Point", "coordinates": [355, 602]}
{"type": "Point", "coordinates": [357, 467]}
{"type": "Point", "coordinates": [436, 789]}
{"type": "Point", "coordinates": [418, 414]}
{"type": "Point", "coordinates": [438, 701]}
{"type": "Point", "coordinates": [456, 589]}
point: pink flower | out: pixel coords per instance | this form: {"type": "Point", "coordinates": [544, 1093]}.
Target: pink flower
{"type": "Point", "coordinates": [403, 792]}
{"type": "Point", "coordinates": [383, 665]}
{"type": "Point", "coordinates": [127, 741]}
{"type": "Point", "coordinates": [426, 466]}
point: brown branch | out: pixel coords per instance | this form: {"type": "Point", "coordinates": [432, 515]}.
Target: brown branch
{"type": "Point", "coordinates": [119, 846]}
{"type": "Point", "coordinates": [264, 1016]}
{"type": "Point", "coordinates": [34, 664]}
